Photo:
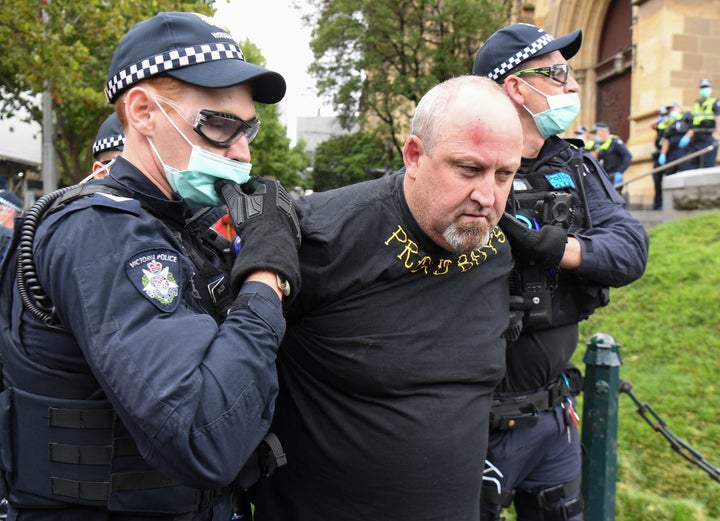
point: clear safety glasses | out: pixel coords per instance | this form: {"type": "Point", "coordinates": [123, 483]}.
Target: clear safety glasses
{"type": "Point", "coordinates": [560, 72]}
{"type": "Point", "coordinates": [218, 128]}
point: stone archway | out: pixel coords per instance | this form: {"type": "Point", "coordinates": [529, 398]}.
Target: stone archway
{"type": "Point", "coordinates": [613, 69]}
{"type": "Point", "coordinates": [604, 94]}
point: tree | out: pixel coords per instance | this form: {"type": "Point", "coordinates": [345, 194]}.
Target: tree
{"type": "Point", "coordinates": [349, 159]}
{"type": "Point", "coordinates": [66, 47]}
{"type": "Point", "coordinates": [271, 152]}
{"type": "Point", "coordinates": [375, 59]}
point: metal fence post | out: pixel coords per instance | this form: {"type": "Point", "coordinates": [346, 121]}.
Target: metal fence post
{"type": "Point", "coordinates": [600, 423]}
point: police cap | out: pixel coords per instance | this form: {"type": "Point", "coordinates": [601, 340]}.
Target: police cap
{"type": "Point", "coordinates": [110, 136]}
{"type": "Point", "coordinates": [190, 48]}
{"type": "Point", "coordinates": [517, 43]}
{"type": "Point", "coordinates": [9, 199]}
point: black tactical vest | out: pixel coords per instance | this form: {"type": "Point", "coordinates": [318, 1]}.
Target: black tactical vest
{"type": "Point", "coordinates": [552, 193]}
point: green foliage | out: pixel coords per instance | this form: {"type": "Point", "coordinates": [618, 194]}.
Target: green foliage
{"type": "Point", "coordinates": [272, 155]}
{"type": "Point", "coordinates": [66, 48]}
{"type": "Point", "coordinates": [668, 328]}
{"type": "Point", "coordinates": [375, 59]}
{"type": "Point", "coordinates": [71, 47]}
{"type": "Point", "coordinates": [349, 159]}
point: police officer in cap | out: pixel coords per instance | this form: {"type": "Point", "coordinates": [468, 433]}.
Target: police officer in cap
{"type": "Point", "coordinates": [572, 238]}
{"type": "Point", "coordinates": [705, 129]}
{"type": "Point", "coordinates": [673, 146]}
{"type": "Point", "coordinates": [108, 144]}
{"type": "Point", "coordinates": [10, 208]}
{"type": "Point", "coordinates": [139, 377]}
{"type": "Point", "coordinates": [614, 155]}
{"type": "Point", "coordinates": [583, 133]}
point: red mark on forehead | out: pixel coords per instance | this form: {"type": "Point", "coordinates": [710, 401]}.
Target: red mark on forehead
{"type": "Point", "coordinates": [476, 133]}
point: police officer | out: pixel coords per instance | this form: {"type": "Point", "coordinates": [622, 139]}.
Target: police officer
{"type": "Point", "coordinates": [589, 142]}
{"type": "Point", "coordinates": [10, 207]}
{"type": "Point", "coordinates": [704, 132]}
{"type": "Point", "coordinates": [612, 153]}
{"type": "Point", "coordinates": [108, 144]}
{"type": "Point", "coordinates": [139, 376]}
{"type": "Point", "coordinates": [572, 238]}
{"type": "Point", "coordinates": [659, 125]}
{"type": "Point", "coordinates": [673, 146]}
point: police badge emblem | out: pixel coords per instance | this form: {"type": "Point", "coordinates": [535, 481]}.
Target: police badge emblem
{"type": "Point", "coordinates": [157, 275]}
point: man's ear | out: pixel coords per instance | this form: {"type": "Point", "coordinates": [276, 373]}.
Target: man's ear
{"type": "Point", "coordinates": [513, 89]}
{"type": "Point", "coordinates": [413, 150]}
{"type": "Point", "coordinates": [140, 110]}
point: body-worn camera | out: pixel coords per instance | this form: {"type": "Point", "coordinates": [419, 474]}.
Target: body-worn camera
{"type": "Point", "coordinates": [556, 208]}
{"type": "Point", "coordinates": [533, 284]}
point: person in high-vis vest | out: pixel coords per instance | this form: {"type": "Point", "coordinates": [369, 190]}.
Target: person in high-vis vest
{"type": "Point", "coordinates": [659, 125]}
{"type": "Point", "coordinates": [705, 129]}
{"type": "Point", "coordinates": [673, 132]}
{"type": "Point", "coordinates": [590, 143]}
{"type": "Point", "coordinates": [612, 153]}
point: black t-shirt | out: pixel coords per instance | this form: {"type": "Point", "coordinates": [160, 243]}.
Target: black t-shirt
{"type": "Point", "coordinates": [393, 348]}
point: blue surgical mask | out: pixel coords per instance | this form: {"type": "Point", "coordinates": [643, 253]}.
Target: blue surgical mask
{"type": "Point", "coordinates": [562, 111]}
{"type": "Point", "coordinates": [196, 184]}
{"type": "Point", "coordinates": [705, 92]}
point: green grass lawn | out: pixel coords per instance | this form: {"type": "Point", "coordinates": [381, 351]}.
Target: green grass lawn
{"type": "Point", "coordinates": [668, 327]}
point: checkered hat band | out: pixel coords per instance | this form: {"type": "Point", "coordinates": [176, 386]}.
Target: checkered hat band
{"type": "Point", "coordinates": [7, 203]}
{"type": "Point", "coordinates": [520, 56]}
{"type": "Point", "coordinates": [168, 61]}
{"type": "Point", "coordinates": [108, 143]}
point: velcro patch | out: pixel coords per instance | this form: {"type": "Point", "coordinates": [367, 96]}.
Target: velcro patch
{"type": "Point", "coordinates": [157, 275]}
{"type": "Point", "coordinates": [560, 180]}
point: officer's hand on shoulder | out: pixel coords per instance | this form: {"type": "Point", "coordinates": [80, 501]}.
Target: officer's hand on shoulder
{"type": "Point", "coordinates": [545, 245]}
{"type": "Point", "coordinates": [262, 213]}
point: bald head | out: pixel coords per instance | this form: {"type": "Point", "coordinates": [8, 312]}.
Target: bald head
{"type": "Point", "coordinates": [455, 103]}
{"type": "Point", "coordinates": [460, 160]}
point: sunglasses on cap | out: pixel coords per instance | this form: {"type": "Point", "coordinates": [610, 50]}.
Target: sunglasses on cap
{"type": "Point", "coordinates": [217, 128]}
{"type": "Point", "coordinates": [560, 72]}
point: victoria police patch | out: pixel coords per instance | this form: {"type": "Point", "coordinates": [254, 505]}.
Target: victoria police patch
{"type": "Point", "coordinates": [560, 180]}
{"type": "Point", "coordinates": [157, 274]}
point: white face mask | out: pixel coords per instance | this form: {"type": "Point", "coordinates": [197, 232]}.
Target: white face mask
{"type": "Point", "coordinates": [562, 111]}
{"type": "Point", "coordinates": [196, 184]}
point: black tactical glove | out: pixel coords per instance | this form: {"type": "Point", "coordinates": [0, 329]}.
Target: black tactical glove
{"type": "Point", "coordinates": [263, 216]}
{"type": "Point", "coordinates": [546, 245]}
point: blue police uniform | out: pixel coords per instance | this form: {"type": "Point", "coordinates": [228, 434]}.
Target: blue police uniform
{"type": "Point", "coordinates": [135, 403]}
{"type": "Point", "coordinates": [534, 439]}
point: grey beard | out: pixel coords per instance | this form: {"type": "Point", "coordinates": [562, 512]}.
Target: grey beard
{"type": "Point", "coordinates": [466, 238]}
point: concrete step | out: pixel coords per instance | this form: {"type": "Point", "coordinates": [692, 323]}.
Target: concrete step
{"type": "Point", "coordinates": [648, 218]}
